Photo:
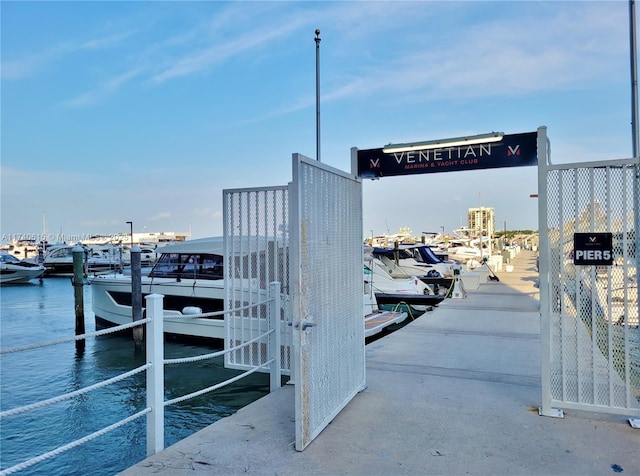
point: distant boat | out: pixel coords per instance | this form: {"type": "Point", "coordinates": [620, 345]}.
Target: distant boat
{"type": "Point", "coordinates": [58, 261]}
{"type": "Point", "coordinates": [412, 260]}
{"type": "Point", "coordinates": [398, 293]}
{"type": "Point", "coordinates": [21, 249]}
{"type": "Point", "coordinates": [14, 271]}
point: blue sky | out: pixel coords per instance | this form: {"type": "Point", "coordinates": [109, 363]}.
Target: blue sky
{"type": "Point", "coordinates": [145, 111]}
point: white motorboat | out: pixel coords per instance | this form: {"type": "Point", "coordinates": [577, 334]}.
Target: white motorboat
{"type": "Point", "coordinates": [190, 277]}
{"type": "Point", "coordinates": [395, 293]}
{"type": "Point", "coordinates": [412, 260]}
{"type": "Point", "coordinates": [58, 261]}
{"type": "Point", "coordinates": [14, 271]}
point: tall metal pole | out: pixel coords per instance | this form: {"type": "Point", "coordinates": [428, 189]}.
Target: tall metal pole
{"type": "Point", "coordinates": [634, 127]}
{"type": "Point", "coordinates": [130, 223]}
{"type": "Point", "coordinates": [634, 77]}
{"type": "Point", "coordinates": [317, 40]}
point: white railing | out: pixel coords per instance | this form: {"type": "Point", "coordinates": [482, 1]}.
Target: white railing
{"type": "Point", "coordinates": [155, 374]}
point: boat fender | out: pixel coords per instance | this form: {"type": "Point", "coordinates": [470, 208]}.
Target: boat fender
{"type": "Point", "coordinates": [191, 310]}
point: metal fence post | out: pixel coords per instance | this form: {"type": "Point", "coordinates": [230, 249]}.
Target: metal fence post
{"type": "Point", "coordinates": [155, 375]}
{"type": "Point", "coordinates": [275, 336]}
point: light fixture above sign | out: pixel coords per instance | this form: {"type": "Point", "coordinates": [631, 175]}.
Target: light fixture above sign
{"type": "Point", "coordinates": [444, 143]}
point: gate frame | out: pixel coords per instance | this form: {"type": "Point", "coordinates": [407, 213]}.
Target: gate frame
{"type": "Point", "coordinates": [544, 166]}
{"type": "Point", "coordinates": [311, 333]}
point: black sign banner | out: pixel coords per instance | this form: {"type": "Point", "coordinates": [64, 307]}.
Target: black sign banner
{"type": "Point", "coordinates": [514, 150]}
{"type": "Point", "coordinates": [593, 249]}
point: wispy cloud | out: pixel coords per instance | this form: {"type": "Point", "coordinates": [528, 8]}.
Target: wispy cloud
{"type": "Point", "coordinates": [29, 65]}
{"type": "Point", "coordinates": [217, 53]}
{"type": "Point", "coordinates": [160, 216]}
{"type": "Point", "coordinates": [486, 59]}
{"type": "Point", "coordinates": [103, 90]}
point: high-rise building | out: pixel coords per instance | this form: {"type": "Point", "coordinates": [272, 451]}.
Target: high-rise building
{"type": "Point", "coordinates": [481, 221]}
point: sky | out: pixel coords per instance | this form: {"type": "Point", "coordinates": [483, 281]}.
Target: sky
{"type": "Point", "coordinates": [117, 111]}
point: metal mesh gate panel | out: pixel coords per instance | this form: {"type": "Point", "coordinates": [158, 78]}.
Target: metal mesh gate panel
{"type": "Point", "coordinates": [327, 285]}
{"type": "Point", "coordinates": [591, 358]}
{"type": "Point", "coordinates": [256, 224]}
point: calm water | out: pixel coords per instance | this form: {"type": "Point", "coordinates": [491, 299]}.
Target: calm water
{"type": "Point", "coordinates": [44, 312]}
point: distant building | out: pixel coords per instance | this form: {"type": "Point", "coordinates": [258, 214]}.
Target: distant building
{"type": "Point", "coordinates": [163, 237]}
{"type": "Point", "coordinates": [481, 221]}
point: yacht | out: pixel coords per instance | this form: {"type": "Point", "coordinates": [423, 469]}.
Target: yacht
{"type": "Point", "coordinates": [58, 260]}
{"type": "Point", "coordinates": [14, 271]}
{"type": "Point", "coordinates": [413, 260]}
{"type": "Point", "coordinates": [188, 274]}
{"type": "Point", "coordinates": [21, 249]}
{"type": "Point", "coordinates": [409, 293]}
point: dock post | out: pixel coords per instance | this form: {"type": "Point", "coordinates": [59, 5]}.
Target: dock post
{"type": "Point", "coordinates": [155, 375]}
{"type": "Point", "coordinates": [78, 284]}
{"type": "Point", "coordinates": [136, 293]}
{"type": "Point", "coordinates": [274, 339]}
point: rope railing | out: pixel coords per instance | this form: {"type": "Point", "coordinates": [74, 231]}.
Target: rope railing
{"type": "Point", "coordinates": [74, 444]}
{"type": "Point", "coordinates": [76, 393]}
{"type": "Point", "coordinates": [185, 360]}
{"type": "Point", "coordinates": [155, 373]}
{"type": "Point", "coordinates": [217, 313]}
{"type": "Point", "coordinates": [78, 337]}
{"type": "Point", "coordinates": [218, 385]}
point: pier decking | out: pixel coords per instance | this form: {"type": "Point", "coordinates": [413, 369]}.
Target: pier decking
{"type": "Point", "coordinates": [454, 392]}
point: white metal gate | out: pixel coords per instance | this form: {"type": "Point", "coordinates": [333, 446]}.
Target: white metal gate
{"type": "Point", "coordinates": [327, 286]}
{"type": "Point", "coordinates": [589, 314]}
{"type": "Point", "coordinates": [256, 233]}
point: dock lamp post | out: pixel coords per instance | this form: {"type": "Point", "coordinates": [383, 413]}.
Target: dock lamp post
{"type": "Point", "coordinates": [130, 223]}
{"type": "Point", "coordinates": [504, 236]}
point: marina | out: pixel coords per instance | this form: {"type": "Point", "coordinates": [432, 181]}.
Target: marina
{"type": "Point", "coordinates": [304, 297]}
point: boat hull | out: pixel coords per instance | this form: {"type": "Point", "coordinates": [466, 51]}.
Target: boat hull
{"type": "Point", "coordinates": [111, 303]}
{"type": "Point", "coordinates": [19, 275]}
{"type": "Point", "coordinates": [417, 302]}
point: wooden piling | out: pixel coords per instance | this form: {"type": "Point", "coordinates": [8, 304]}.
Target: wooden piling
{"type": "Point", "coordinates": [136, 294]}
{"type": "Point", "coordinates": [78, 293]}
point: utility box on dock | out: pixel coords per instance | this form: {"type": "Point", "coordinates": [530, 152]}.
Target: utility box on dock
{"type": "Point", "coordinates": [495, 262]}
{"type": "Point", "coordinates": [458, 287]}
{"type": "Point", "coordinates": [471, 280]}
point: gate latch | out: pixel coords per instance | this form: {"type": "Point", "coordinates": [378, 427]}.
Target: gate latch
{"type": "Point", "coordinates": [305, 325]}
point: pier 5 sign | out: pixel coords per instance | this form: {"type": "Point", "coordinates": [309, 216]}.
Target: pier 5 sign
{"type": "Point", "coordinates": [593, 249]}
{"type": "Point", "coordinates": [513, 150]}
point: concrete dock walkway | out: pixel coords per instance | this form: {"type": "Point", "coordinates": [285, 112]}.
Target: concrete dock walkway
{"type": "Point", "coordinates": [456, 392]}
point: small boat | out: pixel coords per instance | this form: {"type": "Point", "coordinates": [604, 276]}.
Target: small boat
{"type": "Point", "coordinates": [14, 271]}
{"type": "Point", "coordinates": [413, 260]}
{"type": "Point", "coordinates": [377, 320]}
{"type": "Point", "coordinates": [58, 261]}
{"type": "Point", "coordinates": [420, 261]}
{"type": "Point", "coordinates": [408, 293]}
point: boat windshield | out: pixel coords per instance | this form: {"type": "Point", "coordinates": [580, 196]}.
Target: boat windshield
{"type": "Point", "coordinates": [426, 255]}
{"type": "Point", "coordinates": [391, 253]}
{"type": "Point", "coordinates": [188, 265]}
{"type": "Point", "coordinates": [7, 258]}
